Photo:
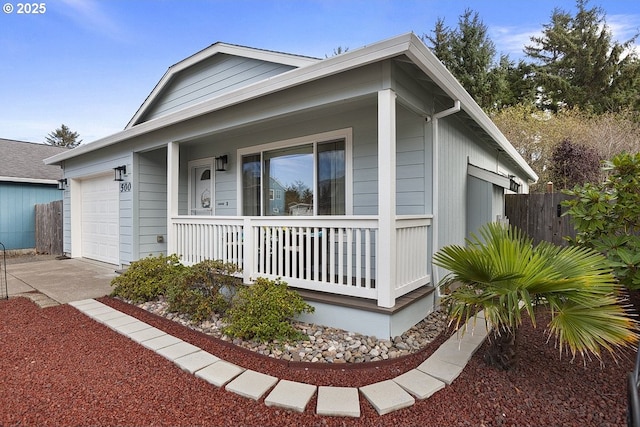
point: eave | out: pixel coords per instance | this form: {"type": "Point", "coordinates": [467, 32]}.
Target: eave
{"type": "Point", "coordinates": [407, 44]}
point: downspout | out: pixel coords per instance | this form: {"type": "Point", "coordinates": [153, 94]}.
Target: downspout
{"type": "Point", "coordinates": [436, 185]}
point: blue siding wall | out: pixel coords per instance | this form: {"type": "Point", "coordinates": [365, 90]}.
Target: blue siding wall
{"type": "Point", "coordinates": [17, 212]}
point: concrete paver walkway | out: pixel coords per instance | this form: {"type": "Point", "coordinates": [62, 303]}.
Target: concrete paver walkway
{"type": "Point", "coordinates": [440, 369]}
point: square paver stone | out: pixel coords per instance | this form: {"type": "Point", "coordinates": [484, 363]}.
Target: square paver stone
{"type": "Point", "coordinates": [119, 321]}
{"type": "Point", "coordinates": [94, 311]}
{"type": "Point", "coordinates": [455, 352]}
{"type": "Point", "coordinates": [418, 383]}
{"type": "Point", "coordinates": [251, 384]}
{"type": "Point", "coordinates": [338, 401]}
{"type": "Point", "coordinates": [444, 371]}
{"type": "Point", "coordinates": [195, 361]}
{"type": "Point", "coordinates": [130, 328]}
{"type": "Point", "coordinates": [160, 342]}
{"type": "Point", "coordinates": [291, 395]}
{"type": "Point", "coordinates": [146, 334]}
{"type": "Point", "coordinates": [107, 315]}
{"type": "Point", "coordinates": [219, 373]}
{"type": "Point", "coordinates": [175, 351]}
{"type": "Point", "coordinates": [85, 303]}
{"type": "Point", "coordinates": [387, 396]}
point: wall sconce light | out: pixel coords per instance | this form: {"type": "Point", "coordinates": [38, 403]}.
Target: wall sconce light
{"type": "Point", "coordinates": [119, 172]}
{"type": "Point", "coordinates": [62, 184]}
{"type": "Point", "coordinates": [221, 163]}
{"type": "Point", "coordinates": [514, 186]}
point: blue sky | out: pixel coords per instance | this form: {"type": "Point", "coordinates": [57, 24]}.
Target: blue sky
{"type": "Point", "coordinates": [91, 63]}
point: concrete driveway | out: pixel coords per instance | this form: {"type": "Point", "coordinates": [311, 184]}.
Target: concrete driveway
{"type": "Point", "coordinates": [62, 280]}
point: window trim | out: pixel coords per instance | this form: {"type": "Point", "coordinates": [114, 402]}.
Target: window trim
{"type": "Point", "coordinates": [346, 134]}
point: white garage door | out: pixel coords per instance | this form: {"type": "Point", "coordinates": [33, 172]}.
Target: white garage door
{"type": "Point", "coordinates": [100, 226]}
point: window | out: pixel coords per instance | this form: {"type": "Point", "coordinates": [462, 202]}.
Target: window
{"type": "Point", "coordinates": [306, 176]}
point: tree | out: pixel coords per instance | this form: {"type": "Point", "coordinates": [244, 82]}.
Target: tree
{"type": "Point", "coordinates": [536, 134]}
{"type": "Point", "coordinates": [578, 65]}
{"type": "Point", "coordinates": [63, 137]}
{"type": "Point", "coordinates": [502, 273]}
{"type": "Point", "coordinates": [469, 54]}
{"type": "Point", "coordinates": [574, 164]}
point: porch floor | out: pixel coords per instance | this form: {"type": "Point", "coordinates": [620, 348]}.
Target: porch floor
{"type": "Point", "coordinates": [364, 303]}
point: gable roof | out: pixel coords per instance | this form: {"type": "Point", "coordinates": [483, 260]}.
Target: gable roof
{"type": "Point", "coordinates": [24, 162]}
{"type": "Point", "coordinates": [219, 48]}
{"type": "Point", "coordinates": [407, 45]}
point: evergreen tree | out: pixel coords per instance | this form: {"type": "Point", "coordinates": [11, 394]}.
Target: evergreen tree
{"type": "Point", "coordinates": [469, 55]}
{"type": "Point", "coordinates": [63, 137]}
{"type": "Point", "coordinates": [578, 65]}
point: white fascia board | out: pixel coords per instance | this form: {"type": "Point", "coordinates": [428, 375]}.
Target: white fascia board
{"type": "Point", "coordinates": [246, 52]}
{"type": "Point", "coordinates": [337, 64]}
{"type": "Point", "coordinates": [489, 176]}
{"type": "Point", "coordinates": [28, 180]}
{"type": "Point", "coordinates": [432, 66]}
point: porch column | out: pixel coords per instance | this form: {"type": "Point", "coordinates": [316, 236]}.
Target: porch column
{"type": "Point", "coordinates": [386, 278]}
{"type": "Point", "coordinates": [173, 172]}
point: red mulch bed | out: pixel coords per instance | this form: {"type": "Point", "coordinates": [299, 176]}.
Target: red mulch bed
{"type": "Point", "coordinates": [60, 368]}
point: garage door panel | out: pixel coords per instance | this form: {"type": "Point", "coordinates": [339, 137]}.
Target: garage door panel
{"type": "Point", "coordinates": [100, 230]}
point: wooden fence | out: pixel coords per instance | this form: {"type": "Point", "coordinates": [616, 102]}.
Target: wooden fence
{"type": "Point", "coordinates": [540, 216]}
{"type": "Point", "coordinates": [49, 228]}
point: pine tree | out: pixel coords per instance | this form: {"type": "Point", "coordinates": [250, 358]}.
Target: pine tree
{"type": "Point", "coordinates": [578, 64]}
{"type": "Point", "coordinates": [63, 137]}
{"type": "Point", "coordinates": [469, 54]}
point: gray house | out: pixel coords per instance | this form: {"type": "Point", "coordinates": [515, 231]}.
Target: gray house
{"type": "Point", "coordinates": [394, 157]}
{"type": "Point", "coordinates": [24, 182]}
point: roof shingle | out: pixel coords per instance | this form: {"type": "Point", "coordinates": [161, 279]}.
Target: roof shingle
{"type": "Point", "coordinates": [24, 160]}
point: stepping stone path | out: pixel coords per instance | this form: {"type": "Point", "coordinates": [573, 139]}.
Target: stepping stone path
{"type": "Point", "coordinates": [439, 370]}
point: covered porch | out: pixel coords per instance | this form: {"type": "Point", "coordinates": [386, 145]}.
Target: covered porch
{"type": "Point", "coordinates": [378, 257]}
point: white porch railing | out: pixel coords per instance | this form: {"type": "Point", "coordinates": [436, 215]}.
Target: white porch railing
{"type": "Point", "coordinates": [323, 253]}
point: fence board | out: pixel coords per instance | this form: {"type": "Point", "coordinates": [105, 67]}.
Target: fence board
{"type": "Point", "coordinates": [49, 228]}
{"type": "Point", "coordinates": [540, 216]}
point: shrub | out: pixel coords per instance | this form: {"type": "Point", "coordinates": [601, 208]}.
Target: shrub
{"type": "Point", "coordinates": [204, 288]}
{"type": "Point", "coordinates": [607, 217]}
{"type": "Point", "coordinates": [148, 278]}
{"type": "Point", "coordinates": [264, 311]}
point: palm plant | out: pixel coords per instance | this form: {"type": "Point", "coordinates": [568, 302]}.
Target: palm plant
{"type": "Point", "coordinates": [502, 273]}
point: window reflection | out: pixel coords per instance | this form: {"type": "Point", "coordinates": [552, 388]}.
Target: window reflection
{"type": "Point", "coordinates": [290, 173]}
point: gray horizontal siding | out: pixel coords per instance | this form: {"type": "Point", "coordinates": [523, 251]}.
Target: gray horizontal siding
{"type": "Point", "coordinates": [210, 78]}
{"type": "Point", "coordinates": [152, 202]}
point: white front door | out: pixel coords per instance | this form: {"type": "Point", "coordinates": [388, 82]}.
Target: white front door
{"type": "Point", "coordinates": [100, 225]}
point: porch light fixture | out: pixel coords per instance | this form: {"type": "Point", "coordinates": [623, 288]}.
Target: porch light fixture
{"type": "Point", "coordinates": [62, 184]}
{"type": "Point", "coordinates": [513, 185]}
{"type": "Point", "coordinates": [221, 163]}
{"type": "Point", "coordinates": [119, 172]}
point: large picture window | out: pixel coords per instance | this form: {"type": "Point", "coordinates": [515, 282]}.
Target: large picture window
{"type": "Point", "coordinates": [306, 176]}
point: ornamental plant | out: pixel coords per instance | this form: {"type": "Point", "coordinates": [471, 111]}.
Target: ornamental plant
{"type": "Point", "coordinates": [203, 289]}
{"type": "Point", "coordinates": [502, 273]}
{"type": "Point", "coordinates": [264, 311]}
{"type": "Point", "coordinates": [147, 278]}
{"type": "Point", "coordinates": [607, 217]}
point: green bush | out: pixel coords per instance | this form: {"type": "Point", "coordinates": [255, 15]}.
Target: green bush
{"type": "Point", "coordinates": [607, 217]}
{"type": "Point", "coordinates": [204, 288]}
{"type": "Point", "coordinates": [264, 311]}
{"type": "Point", "coordinates": [148, 278]}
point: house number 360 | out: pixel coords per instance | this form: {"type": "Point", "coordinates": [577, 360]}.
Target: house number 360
{"type": "Point", "coordinates": [125, 187]}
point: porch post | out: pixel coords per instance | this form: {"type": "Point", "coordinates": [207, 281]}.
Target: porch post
{"type": "Point", "coordinates": [173, 171]}
{"type": "Point", "coordinates": [386, 278]}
